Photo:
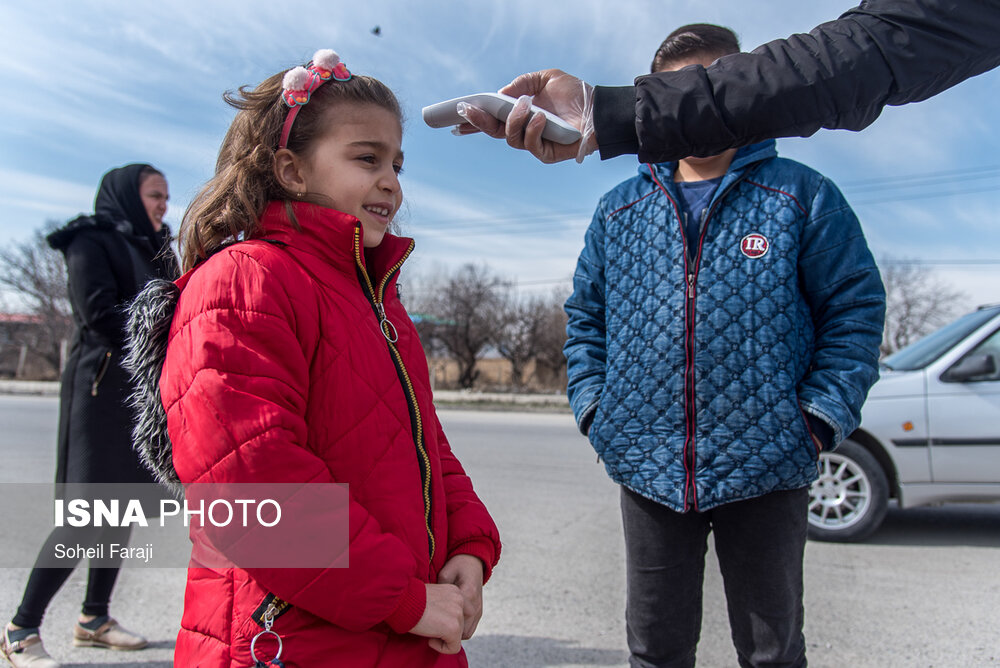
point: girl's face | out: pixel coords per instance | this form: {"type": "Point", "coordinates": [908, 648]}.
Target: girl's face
{"type": "Point", "coordinates": [154, 195]}
{"type": "Point", "coordinates": [356, 164]}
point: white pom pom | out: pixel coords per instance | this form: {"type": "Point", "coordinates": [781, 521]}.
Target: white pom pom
{"type": "Point", "coordinates": [295, 79]}
{"type": "Point", "coordinates": [326, 58]}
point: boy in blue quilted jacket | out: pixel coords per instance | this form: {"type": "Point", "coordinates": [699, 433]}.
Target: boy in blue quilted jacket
{"type": "Point", "coordinates": [723, 330]}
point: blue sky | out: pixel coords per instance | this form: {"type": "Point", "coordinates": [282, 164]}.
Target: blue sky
{"type": "Point", "coordinates": [91, 85]}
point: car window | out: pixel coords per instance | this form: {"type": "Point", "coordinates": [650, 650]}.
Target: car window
{"type": "Point", "coordinates": [990, 346]}
{"type": "Point", "coordinates": [920, 353]}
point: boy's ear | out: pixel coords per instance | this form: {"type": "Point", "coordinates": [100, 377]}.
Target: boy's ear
{"type": "Point", "coordinates": [288, 169]}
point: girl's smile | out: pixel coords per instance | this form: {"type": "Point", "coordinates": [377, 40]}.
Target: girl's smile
{"type": "Point", "coordinates": [354, 166]}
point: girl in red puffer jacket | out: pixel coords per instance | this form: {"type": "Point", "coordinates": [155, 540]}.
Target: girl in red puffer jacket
{"type": "Point", "coordinates": [288, 358]}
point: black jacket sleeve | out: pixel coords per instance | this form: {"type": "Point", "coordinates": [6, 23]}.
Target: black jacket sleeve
{"type": "Point", "coordinates": [94, 288]}
{"type": "Point", "coordinates": [840, 75]}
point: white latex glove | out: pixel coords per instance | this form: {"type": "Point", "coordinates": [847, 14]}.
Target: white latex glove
{"type": "Point", "coordinates": [553, 90]}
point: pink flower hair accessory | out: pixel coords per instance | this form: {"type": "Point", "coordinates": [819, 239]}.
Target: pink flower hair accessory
{"type": "Point", "coordinates": [299, 83]}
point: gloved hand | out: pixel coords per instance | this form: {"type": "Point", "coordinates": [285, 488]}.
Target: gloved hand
{"type": "Point", "coordinates": [554, 90]}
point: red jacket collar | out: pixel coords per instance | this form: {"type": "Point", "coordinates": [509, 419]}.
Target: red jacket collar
{"type": "Point", "coordinates": [331, 235]}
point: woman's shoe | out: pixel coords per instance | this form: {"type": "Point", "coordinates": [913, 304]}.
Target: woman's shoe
{"type": "Point", "coordinates": [27, 652]}
{"type": "Point", "coordinates": [109, 635]}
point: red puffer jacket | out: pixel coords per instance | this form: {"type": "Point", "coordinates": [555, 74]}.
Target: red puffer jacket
{"type": "Point", "coordinates": [277, 371]}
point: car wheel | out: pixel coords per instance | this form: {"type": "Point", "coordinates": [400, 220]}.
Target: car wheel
{"type": "Point", "coordinates": [849, 500]}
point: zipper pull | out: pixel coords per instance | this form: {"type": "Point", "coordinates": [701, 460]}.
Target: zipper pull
{"type": "Point", "coordinates": [100, 373]}
{"type": "Point", "coordinates": [388, 329]}
{"type": "Point", "coordinates": [268, 616]}
{"type": "Point", "coordinates": [690, 283]}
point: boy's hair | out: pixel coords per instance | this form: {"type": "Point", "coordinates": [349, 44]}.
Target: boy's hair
{"type": "Point", "coordinates": [229, 206]}
{"type": "Point", "coordinates": [694, 40]}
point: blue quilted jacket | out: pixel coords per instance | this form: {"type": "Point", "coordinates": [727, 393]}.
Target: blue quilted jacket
{"type": "Point", "coordinates": [692, 376]}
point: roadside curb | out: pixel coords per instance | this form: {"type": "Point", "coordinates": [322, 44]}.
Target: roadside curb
{"type": "Point", "coordinates": [500, 400]}
{"type": "Point", "coordinates": [43, 388]}
{"type": "Point", "coordinates": [443, 398]}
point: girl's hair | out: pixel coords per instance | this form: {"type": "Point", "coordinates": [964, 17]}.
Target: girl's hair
{"type": "Point", "coordinates": [694, 40]}
{"type": "Point", "coordinates": [229, 206]}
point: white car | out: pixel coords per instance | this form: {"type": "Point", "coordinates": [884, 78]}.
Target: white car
{"type": "Point", "coordinates": [929, 434]}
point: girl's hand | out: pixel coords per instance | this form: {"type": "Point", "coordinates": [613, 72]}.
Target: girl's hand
{"type": "Point", "coordinates": [442, 620]}
{"type": "Point", "coordinates": [466, 572]}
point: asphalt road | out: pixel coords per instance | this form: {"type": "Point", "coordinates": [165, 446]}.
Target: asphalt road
{"type": "Point", "coordinates": [923, 592]}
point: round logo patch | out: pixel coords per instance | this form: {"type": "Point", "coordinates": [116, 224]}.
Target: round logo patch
{"type": "Point", "coordinates": [754, 245]}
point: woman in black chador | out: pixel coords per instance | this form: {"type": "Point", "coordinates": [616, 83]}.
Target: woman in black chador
{"type": "Point", "coordinates": [109, 258]}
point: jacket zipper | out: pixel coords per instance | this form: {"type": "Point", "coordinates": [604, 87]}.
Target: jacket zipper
{"type": "Point", "coordinates": [375, 297]}
{"type": "Point", "coordinates": [101, 370]}
{"type": "Point", "coordinates": [690, 412]}
{"type": "Point", "coordinates": [692, 409]}
{"type": "Point", "coordinates": [691, 267]}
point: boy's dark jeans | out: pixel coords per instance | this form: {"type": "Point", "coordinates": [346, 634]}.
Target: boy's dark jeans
{"type": "Point", "coordinates": [760, 544]}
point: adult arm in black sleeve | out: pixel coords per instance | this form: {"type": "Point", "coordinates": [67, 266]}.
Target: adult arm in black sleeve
{"type": "Point", "coordinates": [839, 75]}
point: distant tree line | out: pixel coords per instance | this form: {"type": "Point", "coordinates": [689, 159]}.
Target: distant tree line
{"type": "Point", "coordinates": [466, 317]}
{"type": "Point", "coordinates": [472, 313]}
{"type": "Point", "coordinates": [917, 303]}
{"type": "Point", "coordinates": [35, 331]}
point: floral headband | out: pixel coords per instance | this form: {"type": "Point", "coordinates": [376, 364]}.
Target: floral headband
{"type": "Point", "coordinates": [300, 83]}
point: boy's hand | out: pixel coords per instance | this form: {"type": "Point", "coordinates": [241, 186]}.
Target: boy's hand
{"type": "Point", "coordinates": [442, 620]}
{"type": "Point", "coordinates": [466, 572]}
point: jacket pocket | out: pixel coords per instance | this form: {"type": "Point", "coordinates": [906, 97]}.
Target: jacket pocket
{"type": "Point", "coordinates": [597, 418]}
{"type": "Point", "coordinates": [102, 369]}
{"type": "Point", "coordinates": [817, 444]}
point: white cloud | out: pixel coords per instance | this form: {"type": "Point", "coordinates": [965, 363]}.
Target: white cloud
{"type": "Point", "coordinates": [529, 244]}
{"type": "Point", "coordinates": [57, 198]}
{"type": "Point", "coordinates": [428, 203]}
{"type": "Point", "coordinates": [105, 82]}
{"type": "Point", "coordinates": [523, 258]}
{"type": "Point", "coordinates": [980, 284]}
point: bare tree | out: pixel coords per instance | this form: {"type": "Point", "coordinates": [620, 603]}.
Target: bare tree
{"type": "Point", "coordinates": [534, 330]}
{"type": "Point", "coordinates": [419, 291]}
{"type": "Point", "coordinates": [917, 303]}
{"type": "Point", "coordinates": [37, 275]}
{"type": "Point", "coordinates": [519, 334]}
{"type": "Point", "coordinates": [550, 360]}
{"type": "Point", "coordinates": [465, 314]}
